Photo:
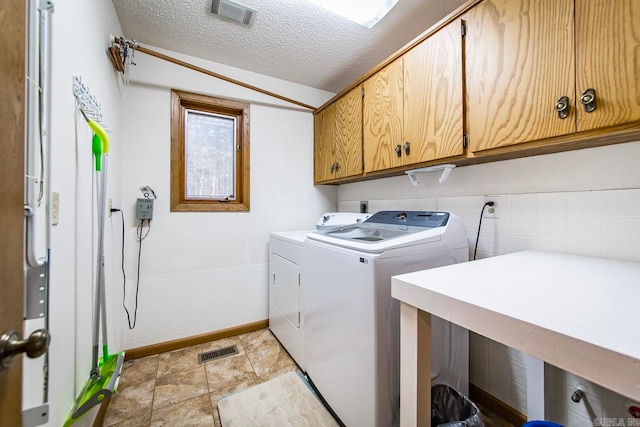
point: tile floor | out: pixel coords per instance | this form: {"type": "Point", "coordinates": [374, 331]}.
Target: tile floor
{"type": "Point", "coordinates": [172, 389]}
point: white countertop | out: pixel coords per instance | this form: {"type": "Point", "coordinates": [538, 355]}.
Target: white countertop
{"type": "Point", "coordinates": [581, 314]}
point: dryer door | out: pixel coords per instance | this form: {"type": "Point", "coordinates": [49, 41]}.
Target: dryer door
{"type": "Point", "coordinates": [285, 288]}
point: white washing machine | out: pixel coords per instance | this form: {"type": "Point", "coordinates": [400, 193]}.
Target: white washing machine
{"type": "Point", "coordinates": [286, 305]}
{"type": "Point", "coordinates": [352, 323]}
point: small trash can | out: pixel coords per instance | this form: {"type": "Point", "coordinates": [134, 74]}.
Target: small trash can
{"type": "Point", "coordinates": [452, 409]}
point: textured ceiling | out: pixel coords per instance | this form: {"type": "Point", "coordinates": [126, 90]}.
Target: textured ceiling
{"type": "Point", "coordinates": [292, 40]}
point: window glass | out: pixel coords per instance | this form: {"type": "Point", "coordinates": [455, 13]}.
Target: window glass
{"type": "Point", "coordinates": [210, 156]}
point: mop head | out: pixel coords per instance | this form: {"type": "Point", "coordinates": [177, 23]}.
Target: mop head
{"type": "Point", "coordinates": [98, 388]}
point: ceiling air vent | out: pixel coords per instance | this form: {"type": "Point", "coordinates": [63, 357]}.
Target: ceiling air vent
{"type": "Point", "coordinates": [232, 11]}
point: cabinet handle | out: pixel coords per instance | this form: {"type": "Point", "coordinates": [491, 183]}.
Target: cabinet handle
{"type": "Point", "coordinates": [588, 99]}
{"type": "Point", "coordinates": [337, 166]}
{"type": "Point", "coordinates": [333, 167]}
{"type": "Point", "coordinates": [562, 107]}
{"type": "Point", "coordinates": [407, 148]}
{"type": "Point", "coordinates": [398, 150]}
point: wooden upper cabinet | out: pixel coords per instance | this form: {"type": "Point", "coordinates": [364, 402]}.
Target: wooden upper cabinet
{"type": "Point", "coordinates": [519, 62]}
{"type": "Point", "coordinates": [413, 107]}
{"type": "Point", "coordinates": [383, 118]}
{"type": "Point", "coordinates": [433, 97]}
{"type": "Point", "coordinates": [608, 58]}
{"type": "Point", "coordinates": [323, 145]}
{"type": "Point", "coordinates": [348, 134]}
{"type": "Point", "coordinates": [338, 138]}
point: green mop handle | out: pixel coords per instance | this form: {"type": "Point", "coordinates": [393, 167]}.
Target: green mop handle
{"type": "Point", "coordinates": [99, 147]}
{"type": "Point", "coordinates": [101, 133]}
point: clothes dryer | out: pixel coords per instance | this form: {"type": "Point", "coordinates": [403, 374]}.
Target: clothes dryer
{"type": "Point", "coordinates": [286, 305]}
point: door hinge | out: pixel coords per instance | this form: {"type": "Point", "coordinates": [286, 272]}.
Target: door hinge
{"type": "Point", "coordinates": [463, 28]}
{"type": "Point", "coordinates": [465, 140]}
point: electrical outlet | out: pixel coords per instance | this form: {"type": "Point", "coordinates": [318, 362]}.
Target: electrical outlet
{"type": "Point", "coordinates": [491, 211]}
{"type": "Point", "coordinates": [364, 206]}
{"type": "Point", "coordinates": [109, 206]}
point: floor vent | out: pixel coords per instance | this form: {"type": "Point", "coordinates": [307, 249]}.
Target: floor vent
{"type": "Point", "coordinates": [217, 354]}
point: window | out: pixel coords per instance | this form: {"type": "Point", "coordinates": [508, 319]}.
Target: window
{"type": "Point", "coordinates": [209, 153]}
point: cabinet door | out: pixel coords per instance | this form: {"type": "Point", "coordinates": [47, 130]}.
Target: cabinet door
{"type": "Point", "coordinates": [323, 143]}
{"type": "Point", "coordinates": [433, 97]}
{"type": "Point", "coordinates": [382, 117]}
{"type": "Point", "coordinates": [608, 60]}
{"type": "Point", "coordinates": [519, 62]}
{"type": "Point", "coordinates": [348, 134]}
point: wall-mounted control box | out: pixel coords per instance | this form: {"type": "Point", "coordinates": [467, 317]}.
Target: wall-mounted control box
{"type": "Point", "coordinates": [144, 209]}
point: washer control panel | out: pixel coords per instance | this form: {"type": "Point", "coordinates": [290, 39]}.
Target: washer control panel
{"type": "Point", "coordinates": [429, 219]}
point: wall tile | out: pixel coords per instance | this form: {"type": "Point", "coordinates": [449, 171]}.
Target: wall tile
{"type": "Point", "coordinates": [519, 397]}
{"type": "Point", "coordinates": [584, 203]}
{"type": "Point", "coordinates": [519, 243]}
{"type": "Point", "coordinates": [574, 420]}
{"type": "Point", "coordinates": [479, 375]}
{"type": "Point", "coordinates": [500, 386]}
{"type": "Point", "coordinates": [551, 204]}
{"type": "Point", "coordinates": [621, 238]}
{"type": "Point", "coordinates": [518, 373]}
{"type": "Point", "coordinates": [621, 203]}
{"type": "Point", "coordinates": [350, 206]}
{"type": "Point", "coordinates": [499, 364]}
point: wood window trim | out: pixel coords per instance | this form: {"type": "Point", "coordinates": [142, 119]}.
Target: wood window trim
{"type": "Point", "coordinates": [182, 101]}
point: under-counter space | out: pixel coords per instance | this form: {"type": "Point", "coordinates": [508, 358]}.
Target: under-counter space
{"type": "Point", "coordinates": [577, 313]}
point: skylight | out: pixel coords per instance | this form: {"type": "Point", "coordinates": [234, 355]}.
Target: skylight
{"type": "Point", "coordinates": [364, 12]}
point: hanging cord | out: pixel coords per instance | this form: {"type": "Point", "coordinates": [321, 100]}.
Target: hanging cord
{"type": "Point", "coordinates": [475, 251]}
{"type": "Point", "coordinates": [140, 237]}
{"type": "Point", "coordinates": [124, 274]}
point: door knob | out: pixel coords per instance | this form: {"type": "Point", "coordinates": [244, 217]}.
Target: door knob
{"type": "Point", "coordinates": [11, 345]}
{"type": "Point", "coordinates": [588, 99]}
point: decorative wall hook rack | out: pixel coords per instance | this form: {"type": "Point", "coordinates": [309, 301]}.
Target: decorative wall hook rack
{"type": "Point", "coordinates": [446, 171]}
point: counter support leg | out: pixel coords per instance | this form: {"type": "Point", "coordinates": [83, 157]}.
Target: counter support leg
{"type": "Point", "coordinates": [415, 367]}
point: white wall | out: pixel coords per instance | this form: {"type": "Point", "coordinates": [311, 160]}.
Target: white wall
{"type": "Point", "coordinates": [206, 271]}
{"type": "Point", "coordinates": [80, 36]}
{"type": "Point", "coordinates": [584, 202]}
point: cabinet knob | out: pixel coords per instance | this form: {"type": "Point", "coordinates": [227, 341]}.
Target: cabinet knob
{"type": "Point", "coordinates": [398, 150]}
{"type": "Point", "coordinates": [588, 99]}
{"type": "Point", "coordinates": [562, 107]}
{"type": "Point", "coordinates": [407, 148]}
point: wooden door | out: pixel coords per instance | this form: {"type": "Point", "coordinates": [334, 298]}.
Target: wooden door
{"type": "Point", "coordinates": [382, 118]}
{"type": "Point", "coordinates": [519, 62]}
{"type": "Point", "coordinates": [323, 146]}
{"type": "Point", "coordinates": [348, 134]}
{"type": "Point", "coordinates": [433, 97]}
{"type": "Point", "coordinates": [608, 60]}
{"type": "Point", "coordinates": [12, 94]}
